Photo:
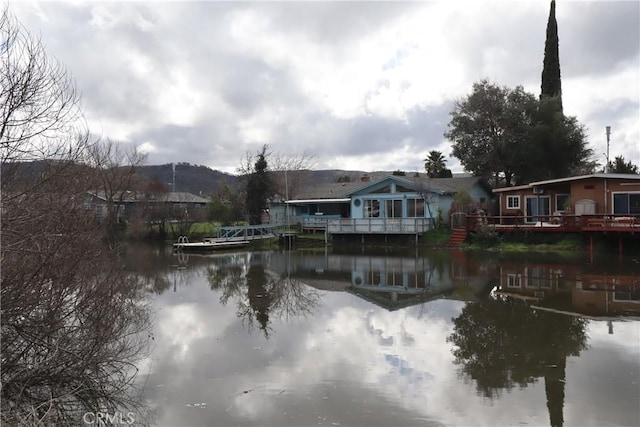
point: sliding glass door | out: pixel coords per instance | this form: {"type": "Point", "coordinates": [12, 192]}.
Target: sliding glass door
{"type": "Point", "coordinates": [537, 208]}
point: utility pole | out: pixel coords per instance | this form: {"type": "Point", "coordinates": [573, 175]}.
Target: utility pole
{"type": "Point", "coordinates": [173, 182]}
{"type": "Point", "coordinates": [608, 132]}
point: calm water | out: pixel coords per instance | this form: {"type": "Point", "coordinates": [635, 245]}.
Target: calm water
{"type": "Point", "coordinates": [435, 339]}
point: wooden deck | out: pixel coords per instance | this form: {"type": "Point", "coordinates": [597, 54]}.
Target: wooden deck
{"type": "Point", "coordinates": [557, 224]}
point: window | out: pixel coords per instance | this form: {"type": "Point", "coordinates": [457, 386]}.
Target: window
{"type": "Point", "coordinates": [563, 202]}
{"type": "Point", "coordinates": [383, 190]}
{"type": "Point", "coordinates": [538, 277]}
{"type": "Point", "coordinates": [513, 202]}
{"type": "Point", "coordinates": [514, 281]}
{"type": "Point", "coordinates": [372, 208]}
{"type": "Point", "coordinates": [626, 293]}
{"type": "Point", "coordinates": [393, 208]}
{"type": "Point", "coordinates": [626, 203]}
{"type": "Point", "coordinates": [415, 208]}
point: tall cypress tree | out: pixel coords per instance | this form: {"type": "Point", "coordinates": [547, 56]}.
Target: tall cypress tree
{"type": "Point", "coordinates": [551, 86]}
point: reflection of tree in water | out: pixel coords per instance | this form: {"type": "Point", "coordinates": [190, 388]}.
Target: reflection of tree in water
{"type": "Point", "coordinates": [504, 343]}
{"type": "Point", "coordinates": [260, 298]}
{"type": "Point", "coordinates": [261, 295]}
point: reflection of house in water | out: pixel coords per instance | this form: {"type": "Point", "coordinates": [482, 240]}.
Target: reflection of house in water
{"type": "Point", "coordinates": [394, 283]}
{"type": "Point", "coordinates": [568, 288]}
{"type": "Point", "coordinates": [391, 282]}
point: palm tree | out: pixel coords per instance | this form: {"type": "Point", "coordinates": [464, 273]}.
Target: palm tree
{"type": "Point", "coordinates": [435, 164]}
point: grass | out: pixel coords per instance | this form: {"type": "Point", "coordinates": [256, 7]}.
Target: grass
{"type": "Point", "coordinates": [437, 237]}
{"type": "Point", "coordinates": [564, 245]}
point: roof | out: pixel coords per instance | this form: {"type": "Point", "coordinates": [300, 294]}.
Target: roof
{"type": "Point", "coordinates": [139, 196]}
{"type": "Point", "coordinates": [333, 190]}
{"type": "Point", "coordinates": [569, 179]}
{"type": "Point", "coordinates": [340, 192]}
{"type": "Point", "coordinates": [594, 175]}
{"type": "Point", "coordinates": [514, 188]}
{"type": "Point", "coordinates": [456, 184]}
{"type": "Point", "coordinates": [441, 186]}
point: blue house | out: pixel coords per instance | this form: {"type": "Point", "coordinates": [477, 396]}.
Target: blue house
{"type": "Point", "coordinates": [387, 205]}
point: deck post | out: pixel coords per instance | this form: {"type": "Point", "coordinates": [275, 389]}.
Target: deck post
{"type": "Point", "coordinates": [591, 249]}
{"type": "Point", "coordinates": [620, 245]}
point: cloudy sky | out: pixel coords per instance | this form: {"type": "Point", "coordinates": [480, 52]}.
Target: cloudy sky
{"type": "Point", "coordinates": [359, 85]}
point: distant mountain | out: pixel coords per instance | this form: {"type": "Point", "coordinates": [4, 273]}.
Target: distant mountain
{"type": "Point", "coordinates": [204, 181]}
{"type": "Point", "coordinates": [199, 180]}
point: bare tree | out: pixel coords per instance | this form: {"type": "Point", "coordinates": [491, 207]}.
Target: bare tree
{"type": "Point", "coordinates": [39, 103]}
{"type": "Point", "coordinates": [287, 173]}
{"type": "Point", "coordinates": [115, 166]}
{"type": "Point", "coordinates": [290, 171]}
{"type": "Point", "coordinates": [423, 188]}
{"type": "Point", "coordinates": [73, 322]}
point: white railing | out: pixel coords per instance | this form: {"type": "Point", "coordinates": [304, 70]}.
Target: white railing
{"type": "Point", "coordinates": [316, 221]}
{"type": "Point", "coordinates": [379, 225]}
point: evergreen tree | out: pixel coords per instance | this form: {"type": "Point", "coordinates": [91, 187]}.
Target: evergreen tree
{"type": "Point", "coordinates": [620, 165]}
{"type": "Point", "coordinates": [259, 188]}
{"type": "Point", "coordinates": [551, 84]}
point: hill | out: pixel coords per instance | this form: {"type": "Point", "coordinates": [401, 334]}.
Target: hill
{"type": "Point", "coordinates": [204, 181]}
{"type": "Point", "coordinates": [199, 180]}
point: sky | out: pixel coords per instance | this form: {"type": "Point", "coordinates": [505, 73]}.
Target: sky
{"type": "Point", "coordinates": [355, 85]}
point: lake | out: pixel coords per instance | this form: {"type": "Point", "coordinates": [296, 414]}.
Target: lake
{"type": "Point", "coordinates": [435, 338]}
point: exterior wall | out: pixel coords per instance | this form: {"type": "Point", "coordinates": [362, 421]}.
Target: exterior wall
{"type": "Point", "coordinates": [602, 192]}
{"type": "Point", "coordinates": [478, 194]}
{"type": "Point", "coordinates": [621, 187]}
{"type": "Point", "coordinates": [359, 201]}
{"type": "Point", "coordinates": [591, 189]}
{"type": "Point", "coordinates": [442, 202]}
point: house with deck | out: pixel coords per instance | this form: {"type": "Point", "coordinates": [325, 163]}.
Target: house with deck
{"type": "Point", "coordinates": [547, 201]}
{"type": "Point", "coordinates": [388, 205]}
{"type": "Point", "coordinates": [598, 204]}
{"type": "Point", "coordinates": [165, 205]}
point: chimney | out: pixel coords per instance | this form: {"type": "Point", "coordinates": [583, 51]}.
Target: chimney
{"type": "Point", "coordinates": [365, 178]}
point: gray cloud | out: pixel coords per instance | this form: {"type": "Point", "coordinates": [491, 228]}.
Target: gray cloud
{"type": "Point", "coordinates": [599, 36]}
{"type": "Point", "coordinates": [195, 80]}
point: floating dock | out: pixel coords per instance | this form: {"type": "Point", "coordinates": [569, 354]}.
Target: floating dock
{"type": "Point", "coordinates": [209, 244]}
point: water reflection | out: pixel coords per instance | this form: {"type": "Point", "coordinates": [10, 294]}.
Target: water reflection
{"type": "Point", "coordinates": [573, 288]}
{"type": "Point", "coordinates": [428, 339]}
{"type": "Point", "coordinates": [258, 292]}
{"type": "Point", "coordinates": [501, 343]}
{"type": "Point", "coordinates": [393, 282]}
